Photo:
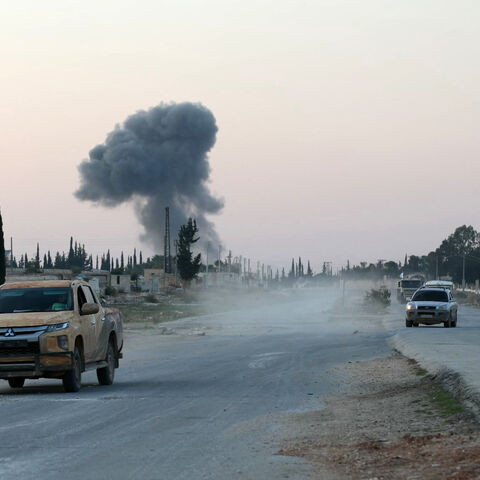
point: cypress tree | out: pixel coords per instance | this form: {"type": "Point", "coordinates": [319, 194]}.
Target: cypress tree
{"type": "Point", "coordinates": [188, 265]}
{"type": "Point", "coordinates": [71, 253]}
{"type": "Point", "coordinates": [37, 258]}
{"type": "Point", "coordinates": [309, 270]}
{"type": "Point", "coordinates": [3, 266]}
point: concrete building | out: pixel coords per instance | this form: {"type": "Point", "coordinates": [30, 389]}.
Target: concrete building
{"type": "Point", "coordinates": [121, 282]}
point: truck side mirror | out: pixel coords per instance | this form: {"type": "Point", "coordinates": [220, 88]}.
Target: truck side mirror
{"type": "Point", "coordinates": [89, 309]}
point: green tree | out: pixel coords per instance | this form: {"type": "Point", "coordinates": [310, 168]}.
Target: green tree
{"type": "Point", "coordinates": [463, 242]}
{"type": "Point", "coordinates": [310, 272]}
{"type": "Point", "coordinates": [71, 254]}
{"type": "Point", "coordinates": [291, 273]}
{"type": "Point", "coordinates": [188, 265]}
{"type": "Point", "coordinates": [3, 266]}
{"type": "Point", "coordinates": [37, 259]}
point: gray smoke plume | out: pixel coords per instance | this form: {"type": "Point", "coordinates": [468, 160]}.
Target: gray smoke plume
{"type": "Point", "coordinates": [157, 158]}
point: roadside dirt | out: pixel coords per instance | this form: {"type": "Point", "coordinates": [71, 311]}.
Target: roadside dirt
{"type": "Point", "coordinates": [397, 424]}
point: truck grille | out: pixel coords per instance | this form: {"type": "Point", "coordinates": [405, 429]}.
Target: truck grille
{"type": "Point", "coordinates": [18, 347]}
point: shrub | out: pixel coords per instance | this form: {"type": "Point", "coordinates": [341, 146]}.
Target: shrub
{"type": "Point", "coordinates": [110, 291]}
{"type": "Point", "coordinates": [379, 298]}
{"type": "Point", "coordinates": [151, 298]}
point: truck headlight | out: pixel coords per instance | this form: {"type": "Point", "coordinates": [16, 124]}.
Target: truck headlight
{"type": "Point", "coordinates": [62, 342]}
{"type": "Point", "coordinates": [410, 306]}
{"type": "Point", "coordinates": [57, 326]}
{"type": "Point", "coordinates": [443, 308]}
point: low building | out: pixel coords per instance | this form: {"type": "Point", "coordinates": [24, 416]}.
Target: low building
{"type": "Point", "coordinates": [121, 282]}
{"type": "Point", "coordinates": [149, 273]}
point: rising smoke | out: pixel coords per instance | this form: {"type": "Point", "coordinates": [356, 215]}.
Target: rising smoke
{"type": "Point", "coordinates": [157, 158]}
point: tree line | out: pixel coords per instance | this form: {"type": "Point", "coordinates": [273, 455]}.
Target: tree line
{"type": "Point", "coordinates": [458, 254]}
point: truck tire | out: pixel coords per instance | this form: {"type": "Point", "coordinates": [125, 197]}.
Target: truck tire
{"type": "Point", "coordinates": [106, 374]}
{"type": "Point", "coordinates": [408, 323]}
{"type": "Point", "coordinates": [72, 380]}
{"type": "Point", "coordinates": [448, 323]}
{"type": "Point", "coordinates": [16, 382]}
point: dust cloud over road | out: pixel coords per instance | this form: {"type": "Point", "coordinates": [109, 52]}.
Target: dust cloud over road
{"type": "Point", "coordinates": [209, 401]}
{"type": "Point", "coordinates": [220, 396]}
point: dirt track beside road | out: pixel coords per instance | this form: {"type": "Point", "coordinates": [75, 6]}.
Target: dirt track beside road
{"type": "Point", "coordinates": [397, 424]}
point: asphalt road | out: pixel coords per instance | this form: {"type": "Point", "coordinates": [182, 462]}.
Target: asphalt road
{"type": "Point", "coordinates": [443, 350]}
{"type": "Point", "coordinates": [207, 401]}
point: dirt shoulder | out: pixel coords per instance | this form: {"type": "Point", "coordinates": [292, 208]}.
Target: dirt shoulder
{"type": "Point", "coordinates": [397, 424]}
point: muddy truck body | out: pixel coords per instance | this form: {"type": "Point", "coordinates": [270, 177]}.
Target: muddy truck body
{"type": "Point", "coordinates": [57, 329]}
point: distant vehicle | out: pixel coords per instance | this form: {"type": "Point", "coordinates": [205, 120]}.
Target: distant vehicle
{"type": "Point", "coordinates": [431, 306]}
{"type": "Point", "coordinates": [57, 329]}
{"type": "Point", "coordinates": [440, 284]}
{"type": "Point", "coordinates": [407, 287]}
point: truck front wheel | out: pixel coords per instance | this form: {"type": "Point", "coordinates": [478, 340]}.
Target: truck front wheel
{"type": "Point", "coordinates": [106, 374]}
{"type": "Point", "coordinates": [16, 382]}
{"type": "Point", "coordinates": [72, 380]}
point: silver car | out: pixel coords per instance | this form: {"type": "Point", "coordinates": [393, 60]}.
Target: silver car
{"type": "Point", "coordinates": [431, 306]}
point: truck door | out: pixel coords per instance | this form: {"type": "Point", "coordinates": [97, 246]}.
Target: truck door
{"type": "Point", "coordinates": [88, 324]}
{"type": "Point", "coordinates": [100, 334]}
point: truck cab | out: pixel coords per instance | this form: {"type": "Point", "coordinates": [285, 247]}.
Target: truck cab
{"type": "Point", "coordinates": [57, 329]}
{"type": "Point", "coordinates": [407, 287]}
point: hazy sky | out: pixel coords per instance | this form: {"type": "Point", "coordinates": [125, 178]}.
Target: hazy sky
{"type": "Point", "coordinates": [347, 129]}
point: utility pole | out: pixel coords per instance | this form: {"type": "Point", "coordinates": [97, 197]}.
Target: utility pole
{"type": "Point", "coordinates": [166, 252]}
{"type": "Point", "coordinates": [208, 248]}
{"type": "Point", "coordinates": [176, 264]}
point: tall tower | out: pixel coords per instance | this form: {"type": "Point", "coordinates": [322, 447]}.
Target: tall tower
{"type": "Point", "coordinates": [166, 251]}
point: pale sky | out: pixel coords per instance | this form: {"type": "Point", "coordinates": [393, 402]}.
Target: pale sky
{"type": "Point", "coordinates": [348, 129]}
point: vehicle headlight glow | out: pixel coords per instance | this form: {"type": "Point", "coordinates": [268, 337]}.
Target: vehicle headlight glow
{"type": "Point", "coordinates": [410, 306]}
{"type": "Point", "coordinates": [57, 326]}
{"type": "Point", "coordinates": [442, 307]}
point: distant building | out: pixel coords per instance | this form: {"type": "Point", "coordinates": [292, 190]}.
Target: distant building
{"type": "Point", "coordinates": [149, 273]}
{"type": "Point", "coordinates": [121, 282]}
{"type": "Point", "coordinates": [8, 257]}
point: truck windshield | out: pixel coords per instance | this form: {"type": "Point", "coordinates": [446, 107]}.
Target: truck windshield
{"type": "Point", "coordinates": [17, 300]}
{"type": "Point", "coordinates": [412, 283]}
{"type": "Point", "coordinates": [430, 296]}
